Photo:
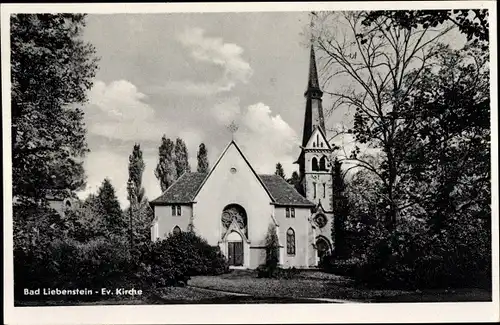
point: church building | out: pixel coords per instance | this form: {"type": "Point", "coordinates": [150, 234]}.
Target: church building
{"type": "Point", "coordinates": [232, 206]}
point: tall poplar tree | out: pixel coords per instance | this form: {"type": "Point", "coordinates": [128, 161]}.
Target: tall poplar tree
{"type": "Point", "coordinates": [134, 187]}
{"type": "Point", "coordinates": [135, 170]}
{"type": "Point", "coordinates": [181, 157]}
{"type": "Point", "coordinates": [165, 170]}
{"type": "Point", "coordinates": [203, 165]}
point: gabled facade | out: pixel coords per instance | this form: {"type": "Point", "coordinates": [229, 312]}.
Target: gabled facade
{"type": "Point", "coordinates": [232, 207]}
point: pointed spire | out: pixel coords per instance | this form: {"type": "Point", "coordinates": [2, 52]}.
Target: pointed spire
{"type": "Point", "coordinates": [314, 109]}
{"type": "Point", "coordinates": [313, 82]}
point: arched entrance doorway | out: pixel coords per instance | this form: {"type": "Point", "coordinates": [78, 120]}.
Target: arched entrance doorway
{"type": "Point", "coordinates": [235, 249]}
{"type": "Point", "coordinates": [323, 247]}
{"type": "Point", "coordinates": [234, 233]}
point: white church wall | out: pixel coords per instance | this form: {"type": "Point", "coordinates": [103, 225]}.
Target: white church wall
{"type": "Point", "coordinates": [224, 187]}
{"type": "Point", "coordinates": [167, 221]}
{"type": "Point", "coordinates": [257, 257]}
{"type": "Point", "coordinates": [300, 226]}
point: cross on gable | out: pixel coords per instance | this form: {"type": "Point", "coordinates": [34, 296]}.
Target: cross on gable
{"type": "Point", "coordinates": [233, 128]}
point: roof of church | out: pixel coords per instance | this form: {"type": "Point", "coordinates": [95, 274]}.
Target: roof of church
{"type": "Point", "coordinates": [282, 192]}
{"type": "Point", "coordinates": [185, 188]}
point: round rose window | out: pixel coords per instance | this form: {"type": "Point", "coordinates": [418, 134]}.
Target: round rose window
{"type": "Point", "coordinates": [320, 220]}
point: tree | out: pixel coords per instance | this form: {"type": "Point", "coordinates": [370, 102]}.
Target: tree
{"type": "Point", "coordinates": [471, 22]}
{"type": "Point", "coordinates": [88, 221]}
{"type": "Point", "coordinates": [295, 181]}
{"type": "Point", "coordinates": [448, 140]}
{"type": "Point", "coordinates": [272, 252]}
{"type": "Point", "coordinates": [383, 63]}
{"type": "Point", "coordinates": [340, 209]}
{"type": "Point", "coordinates": [280, 171]}
{"type": "Point", "coordinates": [165, 170]}
{"type": "Point", "coordinates": [51, 70]}
{"type": "Point", "coordinates": [203, 165]}
{"type": "Point", "coordinates": [135, 171]}
{"type": "Point", "coordinates": [110, 206]}
{"type": "Point", "coordinates": [142, 217]}
{"type": "Point", "coordinates": [181, 158]}
{"type": "Point", "coordinates": [425, 109]}
{"type": "Point", "coordinates": [134, 186]}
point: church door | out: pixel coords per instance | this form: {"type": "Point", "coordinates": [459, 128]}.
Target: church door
{"type": "Point", "coordinates": [323, 248]}
{"type": "Point", "coordinates": [235, 253]}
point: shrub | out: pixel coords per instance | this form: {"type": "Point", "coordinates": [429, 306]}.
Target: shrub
{"type": "Point", "coordinates": [268, 269]}
{"type": "Point", "coordinates": [347, 267]}
{"type": "Point", "coordinates": [414, 257]}
{"type": "Point", "coordinates": [263, 271]}
{"type": "Point", "coordinates": [174, 260]}
{"type": "Point", "coordinates": [67, 263]}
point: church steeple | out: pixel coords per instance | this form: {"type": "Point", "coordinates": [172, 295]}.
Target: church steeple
{"type": "Point", "coordinates": [313, 82]}
{"type": "Point", "coordinates": [314, 108]}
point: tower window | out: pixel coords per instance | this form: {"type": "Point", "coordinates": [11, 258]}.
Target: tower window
{"type": "Point", "coordinates": [314, 184]}
{"type": "Point", "coordinates": [324, 190]}
{"type": "Point", "coordinates": [317, 139]}
{"type": "Point", "coordinates": [315, 164]}
{"type": "Point", "coordinates": [173, 210]}
{"type": "Point", "coordinates": [321, 144]}
{"type": "Point", "coordinates": [287, 212]}
{"type": "Point", "coordinates": [314, 144]}
{"type": "Point", "coordinates": [293, 212]}
{"type": "Point", "coordinates": [322, 163]}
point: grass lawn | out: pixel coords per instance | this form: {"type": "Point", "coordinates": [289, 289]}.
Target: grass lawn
{"type": "Point", "coordinates": [315, 284]}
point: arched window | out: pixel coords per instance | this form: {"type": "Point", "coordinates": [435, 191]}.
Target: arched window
{"type": "Point", "coordinates": [290, 241]}
{"type": "Point", "coordinates": [315, 164]}
{"type": "Point", "coordinates": [176, 230]}
{"type": "Point", "coordinates": [322, 163]}
{"type": "Point", "coordinates": [235, 212]}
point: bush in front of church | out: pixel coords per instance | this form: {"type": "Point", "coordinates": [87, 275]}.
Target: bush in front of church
{"type": "Point", "coordinates": [175, 259]}
{"type": "Point", "coordinates": [270, 268]}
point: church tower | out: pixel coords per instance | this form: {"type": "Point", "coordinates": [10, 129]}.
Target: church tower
{"type": "Point", "coordinates": [315, 168]}
{"type": "Point", "coordinates": [314, 160]}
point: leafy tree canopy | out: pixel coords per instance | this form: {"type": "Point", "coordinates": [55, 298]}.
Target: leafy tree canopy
{"type": "Point", "coordinates": [51, 70]}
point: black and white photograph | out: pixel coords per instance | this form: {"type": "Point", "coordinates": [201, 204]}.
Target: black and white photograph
{"type": "Point", "coordinates": [322, 157]}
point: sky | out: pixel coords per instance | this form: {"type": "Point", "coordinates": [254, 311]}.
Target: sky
{"type": "Point", "coordinates": [189, 75]}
